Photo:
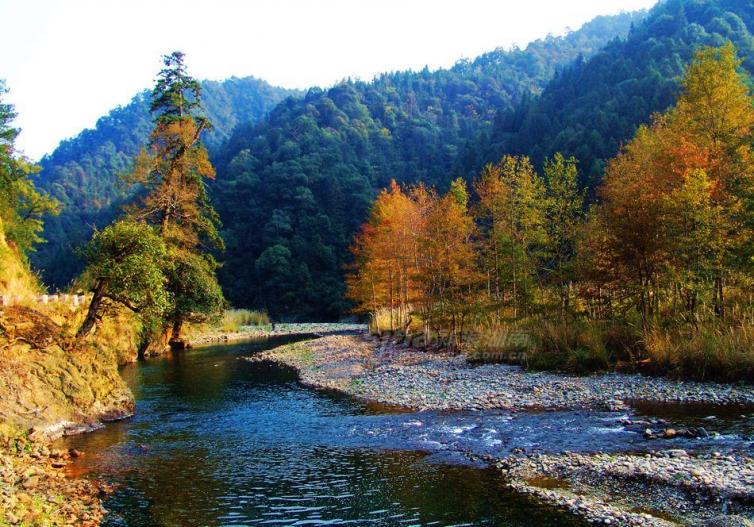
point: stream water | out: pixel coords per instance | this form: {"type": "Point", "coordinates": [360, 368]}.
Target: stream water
{"type": "Point", "coordinates": [220, 441]}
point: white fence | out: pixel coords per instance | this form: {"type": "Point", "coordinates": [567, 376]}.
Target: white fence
{"type": "Point", "coordinates": [71, 300]}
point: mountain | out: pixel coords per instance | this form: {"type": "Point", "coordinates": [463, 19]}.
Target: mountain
{"type": "Point", "coordinates": [594, 105]}
{"type": "Point", "coordinates": [293, 189]}
{"type": "Point", "coordinates": [83, 172]}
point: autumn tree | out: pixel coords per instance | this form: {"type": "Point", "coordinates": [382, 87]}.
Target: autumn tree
{"type": "Point", "coordinates": [447, 262]}
{"type": "Point", "coordinates": [386, 259]}
{"type": "Point", "coordinates": [511, 212]}
{"type": "Point", "coordinates": [674, 199]}
{"type": "Point", "coordinates": [714, 120]}
{"type": "Point", "coordinates": [173, 171]}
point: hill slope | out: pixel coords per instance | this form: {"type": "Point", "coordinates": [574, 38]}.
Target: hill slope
{"type": "Point", "coordinates": [293, 189]}
{"type": "Point", "coordinates": [82, 173]}
{"type": "Point", "coordinates": [590, 108]}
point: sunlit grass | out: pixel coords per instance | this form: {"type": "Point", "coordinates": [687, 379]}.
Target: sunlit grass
{"type": "Point", "coordinates": [234, 320]}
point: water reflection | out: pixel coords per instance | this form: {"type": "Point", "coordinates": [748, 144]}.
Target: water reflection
{"type": "Point", "coordinates": [221, 441]}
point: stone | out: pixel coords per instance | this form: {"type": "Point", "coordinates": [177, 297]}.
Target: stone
{"type": "Point", "coordinates": [30, 483]}
{"type": "Point", "coordinates": [669, 433]}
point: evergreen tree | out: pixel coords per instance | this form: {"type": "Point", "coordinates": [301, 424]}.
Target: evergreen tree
{"type": "Point", "coordinates": [173, 171]}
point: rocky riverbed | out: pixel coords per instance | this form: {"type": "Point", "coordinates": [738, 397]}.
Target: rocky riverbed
{"type": "Point", "coordinates": [34, 489]}
{"type": "Point", "coordinates": [666, 486]}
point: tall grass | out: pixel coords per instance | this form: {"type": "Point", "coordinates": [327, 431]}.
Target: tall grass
{"type": "Point", "coordinates": [704, 353]}
{"type": "Point", "coordinates": [380, 322]}
{"type": "Point", "coordinates": [575, 345]}
{"type": "Point", "coordinates": [235, 319]}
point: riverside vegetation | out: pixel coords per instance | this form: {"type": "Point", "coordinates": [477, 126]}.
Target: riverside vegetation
{"type": "Point", "coordinates": [654, 276]}
{"type": "Point", "coordinates": [532, 262]}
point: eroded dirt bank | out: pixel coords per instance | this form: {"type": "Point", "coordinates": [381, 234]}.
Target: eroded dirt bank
{"type": "Point", "coordinates": [51, 385]}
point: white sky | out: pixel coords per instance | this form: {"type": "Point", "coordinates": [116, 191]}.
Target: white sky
{"type": "Point", "coordinates": [68, 62]}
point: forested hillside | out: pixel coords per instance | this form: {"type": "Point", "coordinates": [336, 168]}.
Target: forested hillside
{"type": "Point", "coordinates": [83, 172]}
{"type": "Point", "coordinates": [293, 190]}
{"type": "Point", "coordinates": [593, 106]}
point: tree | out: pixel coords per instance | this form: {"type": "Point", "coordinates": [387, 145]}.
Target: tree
{"type": "Point", "coordinates": [386, 257]}
{"type": "Point", "coordinates": [674, 199]}
{"type": "Point", "coordinates": [512, 210]}
{"type": "Point", "coordinates": [173, 172]}
{"type": "Point", "coordinates": [715, 113]}
{"type": "Point", "coordinates": [22, 206]}
{"type": "Point", "coordinates": [447, 268]}
{"type": "Point", "coordinates": [564, 213]}
{"type": "Point", "coordinates": [126, 265]}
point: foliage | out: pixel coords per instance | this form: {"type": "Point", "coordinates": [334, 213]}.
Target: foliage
{"type": "Point", "coordinates": [126, 264]}
{"type": "Point", "coordinates": [197, 296]}
{"type": "Point", "coordinates": [22, 206]}
{"type": "Point", "coordinates": [415, 257]}
{"type": "Point", "coordinates": [83, 173]}
{"type": "Point", "coordinates": [295, 188]}
{"type": "Point", "coordinates": [173, 173]}
{"type": "Point", "coordinates": [594, 105]}
{"type": "Point", "coordinates": [512, 208]}
{"type": "Point", "coordinates": [661, 261]}
{"type": "Point", "coordinates": [671, 223]}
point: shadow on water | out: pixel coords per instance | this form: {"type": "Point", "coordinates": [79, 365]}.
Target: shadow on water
{"type": "Point", "coordinates": [219, 441]}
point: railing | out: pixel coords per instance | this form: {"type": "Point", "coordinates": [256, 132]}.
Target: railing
{"type": "Point", "coordinates": [71, 300]}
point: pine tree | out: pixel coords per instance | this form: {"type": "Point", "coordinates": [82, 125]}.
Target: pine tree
{"type": "Point", "coordinates": [173, 171]}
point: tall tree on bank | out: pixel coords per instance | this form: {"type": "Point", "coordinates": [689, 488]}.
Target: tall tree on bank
{"type": "Point", "coordinates": [173, 171]}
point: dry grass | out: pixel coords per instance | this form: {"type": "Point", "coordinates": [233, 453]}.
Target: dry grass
{"type": "Point", "coordinates": [235, 319]}
{"type": "Point", "coordinates": [380, 323]}
{"type": "Point", "coordinates": [707, 352]}
{"type": "Point", "coordinates": [575, 346]}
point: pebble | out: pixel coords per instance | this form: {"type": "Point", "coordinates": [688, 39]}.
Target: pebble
{"type": "Point", "coordinates": [420, 380]}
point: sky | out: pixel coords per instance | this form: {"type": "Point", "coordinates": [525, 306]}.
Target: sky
{"type": "Point", "coordinates": [68, 62]}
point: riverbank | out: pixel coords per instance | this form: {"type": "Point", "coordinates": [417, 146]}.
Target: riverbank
{"type": "Point", "coordinates": [212, 337]}
{"type": "Point", "coordinates": [670, 486]}
{"type": "Point", "coordinates": [36, 491]}
{"type": "Point", "coordinates": [52, 385]}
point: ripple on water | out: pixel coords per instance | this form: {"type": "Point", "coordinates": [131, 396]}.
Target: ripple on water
{"type": "Point", "coordinates": [218, 441]}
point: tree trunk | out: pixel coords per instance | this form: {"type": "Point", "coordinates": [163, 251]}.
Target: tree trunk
{"type": "Point", "coordinates": [177, 327]}
{"type": "Point", "coordinates": [93, 312]}
{"type": "Point", "coordinates": [719, 298]}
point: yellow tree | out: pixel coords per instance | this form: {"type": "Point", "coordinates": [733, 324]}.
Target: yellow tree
{"type": "Point", "coordinates": [385, 258]}
{"type": "Point", "coordinates": [673, 200]}
{"type": "Point", "coordinates": [511, 213]}
{"type": "Point", "coordinates": [715, 117]}
{"type": "Point", "coordinates": [447, 262]}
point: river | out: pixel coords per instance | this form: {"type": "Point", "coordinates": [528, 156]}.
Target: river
{"type": "Point", "coordinates": [220, 441]}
